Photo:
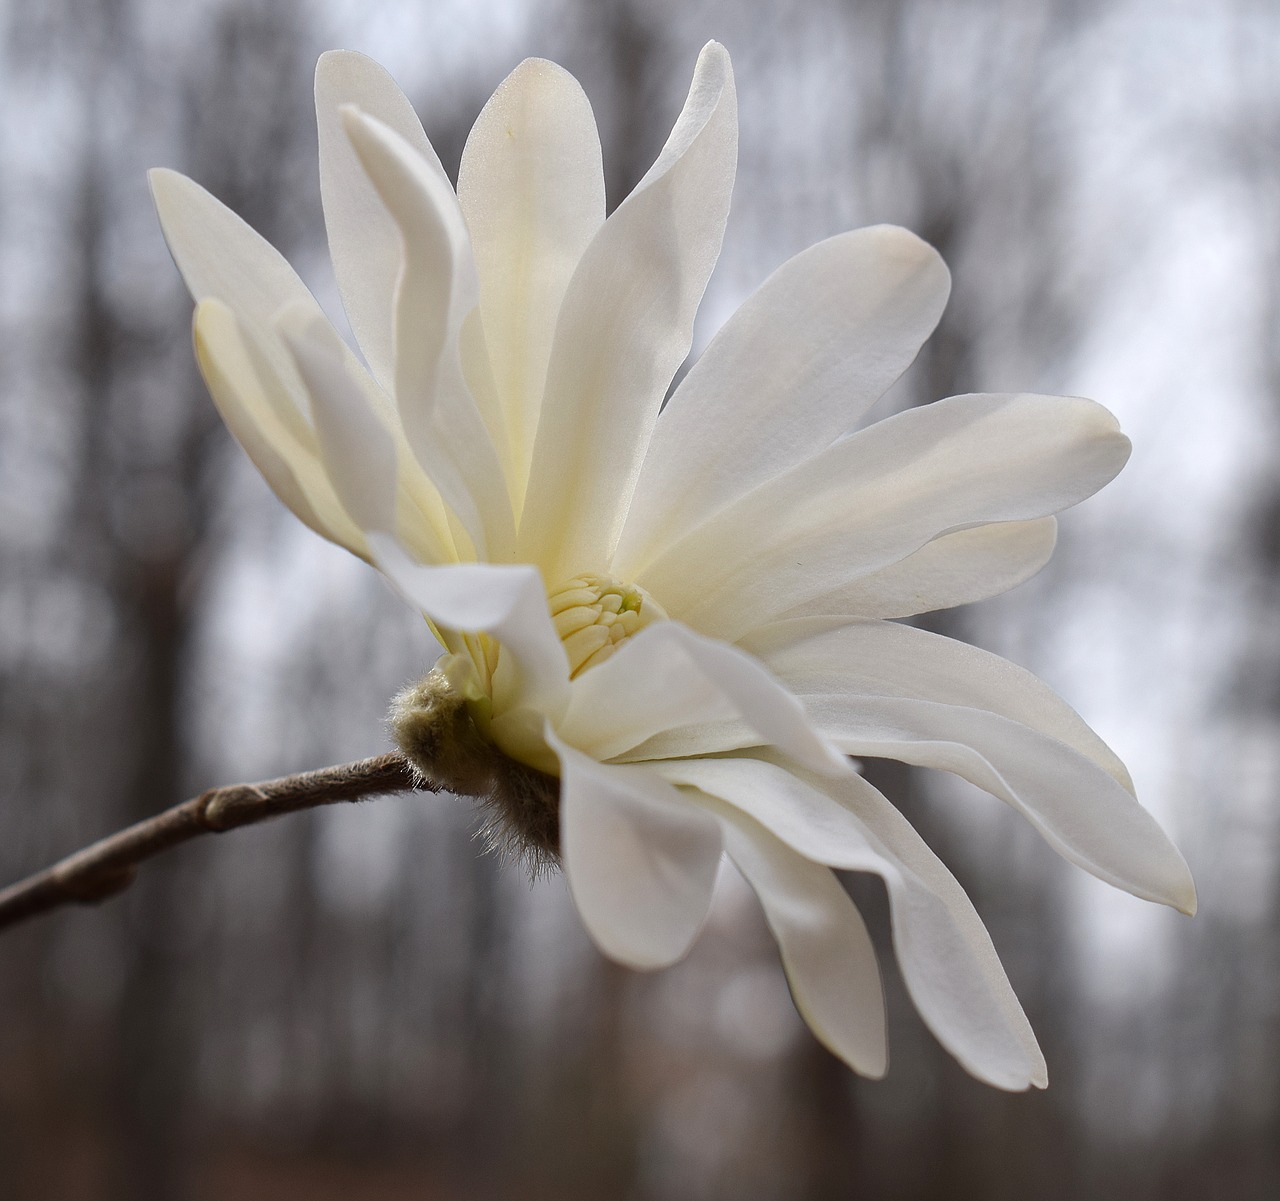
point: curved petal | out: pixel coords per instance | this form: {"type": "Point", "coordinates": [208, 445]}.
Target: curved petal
{"type": "Point", "coordinates": [508, 603]}
{"type": "Point", "coordinates": [460, 447]}
{"type": "Point", "coordinates": [363, 239]}
{"type": "Point", "coordinates": [625, 326]}
{"type": "Point", "coordinates": [1080, 810]}
{"type": "Point", "coordinates": [666, 675]}
{"type": "Point", "coordinates": [640, 858]}
{"type": "Point", "coordinates": [250, 399]}
{"type": "Point", "coordinates": [370, 469]}
{"type": "Point", "coordinates": [947, 960]}
{"type": "Point", "coordinates": [955, 569]}
{"type": "Point", "coordinates": [871, 659]}
{"type": "Point", "coordinates": [223, 258]}
{"type": "Point", "coordinates": [877, 496]}
{"type": "Point", "coordinates": [531, 186]}
{"type": "Point", "coordinates": [825, 948]}
{"type": "Point", "coordinates": [794, 368]}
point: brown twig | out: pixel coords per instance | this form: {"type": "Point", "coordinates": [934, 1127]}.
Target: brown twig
{"type": "Point", "coordinates": [108, 866]}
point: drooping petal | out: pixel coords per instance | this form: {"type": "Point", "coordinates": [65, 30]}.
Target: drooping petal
{"type": "Point", "coordinates": [947, 960]}
{"type": "Point", "coordinates": [1079, 809]}
{"type": "Point", "coordinates": [625, 326]}
{"type": "Point", "coordinates": [364, 455]}
{"type": "Point", "coordinates": [508, 603]}
{"type": "Point", "coordinates": [825, 948]}
{"type": "Point", "coordinates": [364, 241]}
{"type": "Point", "coordinates": [666, 675]}
{"type": "Point", "coordinates": [531, 186]}
{"type": "Point", "coordinates": [256, 407]}
{"type": "Point", "coordinates": [640, 858]}
{"type": "Point", "coordinates": [877, 496]}
{"type": "Point", "coordinates": [873, 659]}
{"type": "Point", "coordinates": [793, 369]}
{"type": "Point", "coordinates": [955, 569]}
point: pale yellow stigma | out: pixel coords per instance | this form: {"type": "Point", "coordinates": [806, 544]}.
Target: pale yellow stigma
{"type": "Point", "coordinates": [595, 614]}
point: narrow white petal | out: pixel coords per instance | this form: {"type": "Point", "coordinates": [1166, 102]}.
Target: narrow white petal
{"type": "Point", "coordinates": [251, 400]}
{"type": "Point", "coordinates": [460, 447]}
{"type": "Point", "coordinates": [825, 948]}
{"type": "Point", "coordinates": [639, 857]}
{"type": "Point", "coordinates": [955, 569]}
{"type": "Point", "coordinates": [794, 368]}
{"type": "Point", "coordinates": [624, 328]}
{"type": "Point", "coordinates": [531, 187]}
{"type": "Point", "coordinates": [666, 675]}
{"type": "Point", "coordinates": [871, 659]}
{"type": "Point", "coordinates": [365, 460]}
{"type": "Point", "coordinates": [508, 603]}
{"type": "Point", "coordinates": [1081, 811]}
{"type": "Point", "coordinates": [947, 960]}
{"type": "Point", "coordinates": [363, 239]}
{"type": "Point", "coordinates": [879, 495]}
{"type": "Point", "coordinates": [221, 257]}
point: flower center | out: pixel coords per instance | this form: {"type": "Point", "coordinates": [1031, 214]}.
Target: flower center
{"type": "Point", "coordinates": [595, 614]}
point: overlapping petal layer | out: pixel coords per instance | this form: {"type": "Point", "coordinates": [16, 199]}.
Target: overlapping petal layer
{"type": "Point", "coordinates": [880, 495]}
{"type": "Point", "coordinates": [625, 326]}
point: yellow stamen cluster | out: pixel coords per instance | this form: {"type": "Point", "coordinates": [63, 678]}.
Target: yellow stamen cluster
{"type": "Point", "coordinates": [595, 614]}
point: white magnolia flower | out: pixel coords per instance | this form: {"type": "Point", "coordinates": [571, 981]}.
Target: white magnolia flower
{"type": "Point", "coordinates": [665, 632]}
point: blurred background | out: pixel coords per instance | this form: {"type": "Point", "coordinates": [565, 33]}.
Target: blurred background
{"type": "Point", "coordinates": [358, 1003]}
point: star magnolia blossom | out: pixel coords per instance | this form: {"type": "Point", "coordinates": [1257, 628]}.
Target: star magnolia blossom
{"type": "Point", "coordinates": [678, 622]}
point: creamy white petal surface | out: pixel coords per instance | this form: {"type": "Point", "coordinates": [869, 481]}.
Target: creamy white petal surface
{"type": "Point", "coordinates": [954, 569]}
{"type": "Point", "coordinates": [946, 957]}
{"type": "Point", "coordinates": [640, 860]}
{"type": "Point", "coordinates": [531, 186]}
{"type": "Point", "coordinates": [669, 676]}
{"type": "Point", "coordinates": [666, 630]}
{"type": "Point", "coordinates": [825, 947]}
{"type": "Point", "coordinates": [364, 242]}
{"type": "Point", "coordinates": [249, 396]}
{"type": "Point", "coordinates": [458, 445]}
{"type": "Point", "coordinates": [794, 368]}
{"type": "Point", "coordinates": [881, 494]}
{"type": "Point", "coordinates": [625, 326]}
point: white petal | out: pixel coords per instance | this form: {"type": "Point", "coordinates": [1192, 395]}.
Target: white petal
{"type": "Point", "coordinates": [955, 569]}
{"type": "Point", "coordinates": [875, 497]}
{"type": "Point", "coordinates": [625, 326]}
{"type": "Point", "coordinates": [460, 447]}
{"type": "Point", "coordinates": [507, 602]}
{"type": "Point", "coordinates": [368, 465]}
{"type": "Point", "coordinates": [221, 257]}
{"type": "Point", "coordinates": [363, 239]}
{"type": "Point", "coordinates": [824, 944]}
{"type": "Point", "coordinates": [794, 368]}
{"type": "Point", "coordinates": [946, 956]}
{"type": "Point", "coordinates": [640, 858]}
{"type": "Point", "coordinates": [531, 187]}
{"type": "Point", "coordinates": [884, 659]}
{"type": "Point", "coordinates": [251, 400]}
{"type": "Point", "coordinates": [666, 675]}
{"type": "Point", "coordinates": [1080, 810]}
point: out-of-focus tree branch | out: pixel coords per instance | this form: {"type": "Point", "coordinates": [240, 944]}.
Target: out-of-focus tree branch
{"type": "Point", "coordinates": [108, 866]}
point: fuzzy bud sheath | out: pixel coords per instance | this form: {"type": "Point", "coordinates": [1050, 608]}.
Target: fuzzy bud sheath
{"type": "Point", "coordinates": [433, 728]}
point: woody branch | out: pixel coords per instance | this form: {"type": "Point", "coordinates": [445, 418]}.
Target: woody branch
{"type": "Point", "coordinates": [109, 866]}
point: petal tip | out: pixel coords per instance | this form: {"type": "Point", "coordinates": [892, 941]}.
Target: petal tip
{"type": "Point", "coordinates": [714, 61]}
{"type": "Point", "coordinates": [166, 186]}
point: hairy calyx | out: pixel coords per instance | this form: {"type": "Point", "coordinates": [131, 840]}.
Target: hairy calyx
{"type": "Point", "coordinates": [432, 724]}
